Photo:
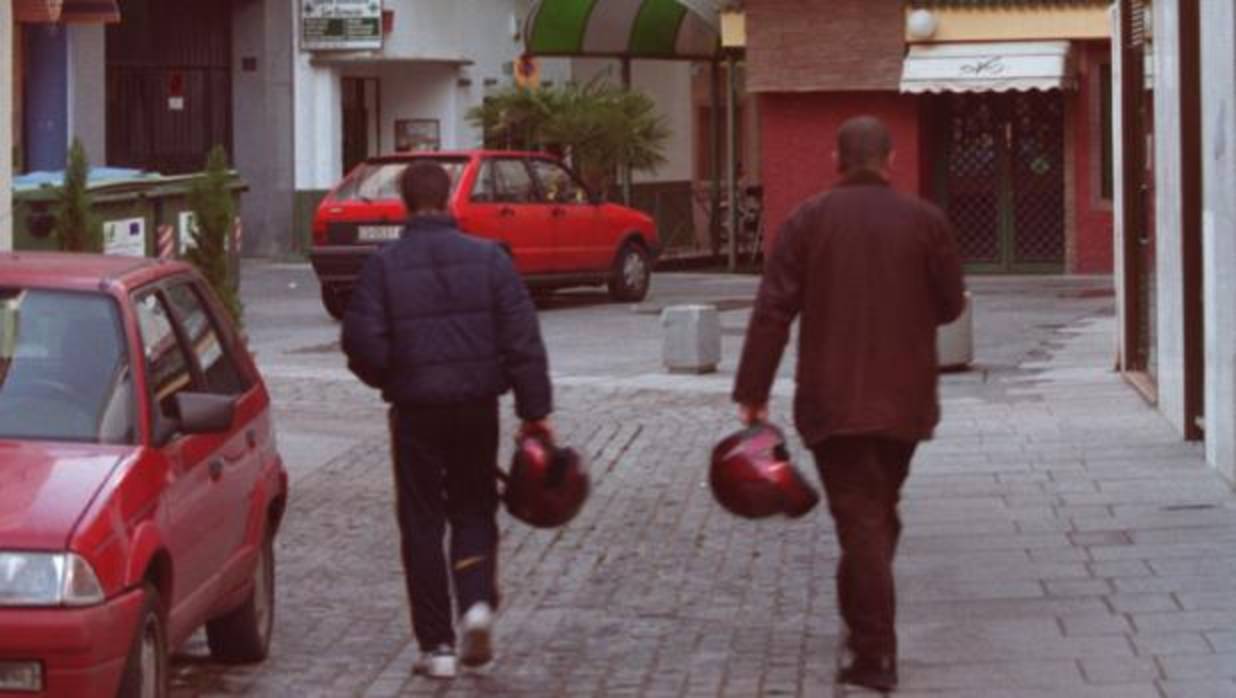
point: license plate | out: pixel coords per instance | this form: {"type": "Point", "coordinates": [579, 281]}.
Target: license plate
{"type": "Point", "coordinates": [26, 677]}
{"type": "Point", "coordinates": [378, 233]}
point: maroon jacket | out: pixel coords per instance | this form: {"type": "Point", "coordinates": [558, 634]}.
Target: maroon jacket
{"type": "Point", "coordinates": [872, 273]}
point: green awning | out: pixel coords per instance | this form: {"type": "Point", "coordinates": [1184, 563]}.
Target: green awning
{"type": "Point", "coordinates": [665, 29]}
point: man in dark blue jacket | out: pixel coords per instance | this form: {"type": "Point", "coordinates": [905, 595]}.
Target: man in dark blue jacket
{"type": "Point", "coordinates": [442, 324]}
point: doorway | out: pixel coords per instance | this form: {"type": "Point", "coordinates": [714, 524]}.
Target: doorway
{"type": "Point", "coordinates": [362, 135]}
{"type": "Point", "coordinates": [1001, 178]}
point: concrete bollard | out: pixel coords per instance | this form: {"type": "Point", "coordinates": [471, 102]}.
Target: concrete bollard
{"type": "Point", "coordinates": [955, 341]}
{"type": "Point", "coordinates": [692, 338]}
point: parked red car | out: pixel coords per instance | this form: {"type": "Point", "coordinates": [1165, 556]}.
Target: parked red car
{"type": "Point", "coordinates": [140, 488]}
{"type": "Point", "coordinates": [558, 232]}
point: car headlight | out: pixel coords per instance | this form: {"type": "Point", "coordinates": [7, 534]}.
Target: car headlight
{"type": "Point", "coordinates": [47, 579]}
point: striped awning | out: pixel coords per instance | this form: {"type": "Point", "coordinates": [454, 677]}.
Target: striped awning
{"type": "Point", "coordinates": [668, 29]}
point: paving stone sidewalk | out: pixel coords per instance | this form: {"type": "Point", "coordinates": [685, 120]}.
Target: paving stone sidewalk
{"type": "Point", "coordinates": [1060, 542]}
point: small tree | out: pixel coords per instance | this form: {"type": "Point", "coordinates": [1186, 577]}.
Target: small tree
{"type": "Point", "coordinates": [77, 228]}
{"type": "Point", "coordinates": [210, 199]}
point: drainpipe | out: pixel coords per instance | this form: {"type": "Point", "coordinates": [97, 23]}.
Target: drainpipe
{"type": "Point", "coordinates": [626, 169]}
{"type": "Point", "coordinates": [718, 152]}
{"type": "Point", "coordinates": [731, 140]}
{"type": "Point", "coordinates": [6, 126]}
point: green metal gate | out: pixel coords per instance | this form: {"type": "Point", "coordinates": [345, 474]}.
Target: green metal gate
{"type": "Point", "coordinates": [1002, 179]}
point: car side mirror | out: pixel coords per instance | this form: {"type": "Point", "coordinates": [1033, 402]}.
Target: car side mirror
{"type": "Point", "coordinates": [203, 413]}
{"type": "Point", "coordinates": [596, 198]}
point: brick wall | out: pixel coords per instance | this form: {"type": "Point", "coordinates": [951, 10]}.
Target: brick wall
{"type": "Point", "coordinates": [798, 134]}
{"type": "Point", "coordinates": [824, 45]}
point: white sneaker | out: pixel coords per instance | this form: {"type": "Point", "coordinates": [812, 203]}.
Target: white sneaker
{"type": "Point", "coordinates": [438, 664]}
{"type": "Point", "coordinates": [475, 648]}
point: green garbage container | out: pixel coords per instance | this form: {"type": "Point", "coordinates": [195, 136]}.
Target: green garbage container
{"type": "Point", "coordinates": [134, 207]}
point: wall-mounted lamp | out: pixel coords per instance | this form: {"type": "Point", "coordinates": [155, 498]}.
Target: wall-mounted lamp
{"type": "Point", "coordinates": [922, 24]}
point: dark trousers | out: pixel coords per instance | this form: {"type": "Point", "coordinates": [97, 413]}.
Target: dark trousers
{"type": "Point", "coordinates": [445, 461]}
{"type": "Point", "coordinates": [862, 478]}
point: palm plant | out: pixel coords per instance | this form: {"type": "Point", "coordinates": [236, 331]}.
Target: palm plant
{"type": "Point", "coordinates": [600, 128]}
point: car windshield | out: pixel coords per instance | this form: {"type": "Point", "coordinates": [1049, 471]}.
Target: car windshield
{"type": "Point", "coordinates": [64, 370]}
{"type": "Point", "coordinates": [379, 181]}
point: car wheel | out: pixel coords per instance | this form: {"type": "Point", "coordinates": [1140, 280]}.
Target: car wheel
{"type": "Point", "coordinates": [243, 635]}
{"type": "Point", "coordinates": [334, 302]}
{"type": "Point", "coordinates": [632, 274]}
{"type": "Point", "coordinates": [145, 670]}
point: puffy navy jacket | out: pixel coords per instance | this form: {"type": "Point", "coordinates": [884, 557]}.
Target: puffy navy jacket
{"type": "Point", "coordinates": [441, 318]}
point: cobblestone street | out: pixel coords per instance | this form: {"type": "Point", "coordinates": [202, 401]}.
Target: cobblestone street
{"type": "Point", "coordinates": [1060, 540]}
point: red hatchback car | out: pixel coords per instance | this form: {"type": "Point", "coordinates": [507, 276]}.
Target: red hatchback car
{"type": "Point", "coordinates": [140, 488]}
{"type": "Point", "coordinates": [559, 233]}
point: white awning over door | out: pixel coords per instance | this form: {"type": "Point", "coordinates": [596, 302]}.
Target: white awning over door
{"type": "Point", "coordinates": [989, 67]}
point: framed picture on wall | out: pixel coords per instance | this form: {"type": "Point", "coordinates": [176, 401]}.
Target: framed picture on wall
{"type": "Point", "coordinates": [417, 134]}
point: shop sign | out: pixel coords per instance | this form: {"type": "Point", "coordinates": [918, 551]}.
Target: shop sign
{"type": "Point", "coordinates": [341, 25]}
{"type": "Point", "coordinates": [126, 236]}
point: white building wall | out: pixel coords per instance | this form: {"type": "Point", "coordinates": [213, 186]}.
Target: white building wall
{"type": "Point", "coordinates": [6, 125]}
{"type": "Point", "coordinates": [319, 124]}
{"type": "Point", "coordinates": [1169, 216]}
{"type": "Point", "coordinates": [1219, 229]}
{"type": "Point", "coordinates": [87, 85]}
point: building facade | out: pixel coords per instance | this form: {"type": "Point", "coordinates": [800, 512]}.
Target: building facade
{"type": "Point", "coordinates": [996, 109]}
{"type": "Point", "coordinates": [407, 89]}
{"type": "Point", "coordinates": [152, 85]}
{"type": "Point", "coordinates": [1175, 97]}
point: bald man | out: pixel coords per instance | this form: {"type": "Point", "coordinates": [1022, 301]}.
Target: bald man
{"type": "Point", "coordinates": [871, 273]}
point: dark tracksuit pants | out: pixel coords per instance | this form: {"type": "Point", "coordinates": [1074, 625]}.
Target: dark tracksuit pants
{"type": "Point", "coordinates": [445, 461]}
{"type": "Point", "coordinates": [862, 478]}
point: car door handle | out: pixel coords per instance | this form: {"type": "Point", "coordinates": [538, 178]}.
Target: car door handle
{"type": "Point", "coordinates": [251, 439]}
{"type": "Point", "coordinates": [506, 212]}
{"type": "Point", "coordinates": [558, 212]}
{"type": "Point", "coordinates": [216, 469]}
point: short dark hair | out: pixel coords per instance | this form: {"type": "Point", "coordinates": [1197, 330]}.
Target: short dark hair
{"type": "Point", "coordinates": [425, 185]}
{"type": "Point", "coordinates": [863, 143]}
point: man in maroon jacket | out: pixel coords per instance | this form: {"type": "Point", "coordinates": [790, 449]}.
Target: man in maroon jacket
{"type": "Point", "coordinates": [872, 273]}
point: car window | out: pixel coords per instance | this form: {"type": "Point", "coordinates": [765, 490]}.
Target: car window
{"type": "Point", "coordinates": [513, 183]}
{"type": "Point", "coordinates": [557, 184]}
{"type": "Point", "coordinates": [484, 190]}
{"type": "Point", "coordinates": [64, 368]}
{"type": "Point", "coordinates": [167, 364]}
{"type": "Point", "coordinates": [220, 371]}
{"type": "Point", "coordinates": [379, 181]}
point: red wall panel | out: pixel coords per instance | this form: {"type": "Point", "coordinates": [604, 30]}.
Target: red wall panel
{"type": "Point", "coordinates": [798, 135]}
{"type": "Point", "coordinates": [1092, 252]}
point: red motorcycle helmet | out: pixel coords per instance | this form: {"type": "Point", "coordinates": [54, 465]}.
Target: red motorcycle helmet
{"type": "Point", "coordinates": [547, 485]}
{"type": "Point", "coordinates": [751, 475]}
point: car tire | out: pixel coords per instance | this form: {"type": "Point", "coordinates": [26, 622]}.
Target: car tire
{"type": "Point", "coordinates": [335, 302]}
{"type": "Point", "coordinates": [146, 669]}
{"type": "Point", "coordinates": [243, 635]}
{"type": "Point", "coordinates": [632, 274]}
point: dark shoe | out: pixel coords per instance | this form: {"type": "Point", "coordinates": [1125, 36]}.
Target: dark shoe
{"type": "Point", "coordinates": [878, 673]}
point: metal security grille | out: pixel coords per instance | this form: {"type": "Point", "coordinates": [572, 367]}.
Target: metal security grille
{"type": "Point", "coordinates": [1004, 184]}
{"type": "Point", "coordinates": [1038, 177]}
{"type": "Point", "coordinates": [973, 173]}
{"type": "Point", "coordinates": [169, 84]}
